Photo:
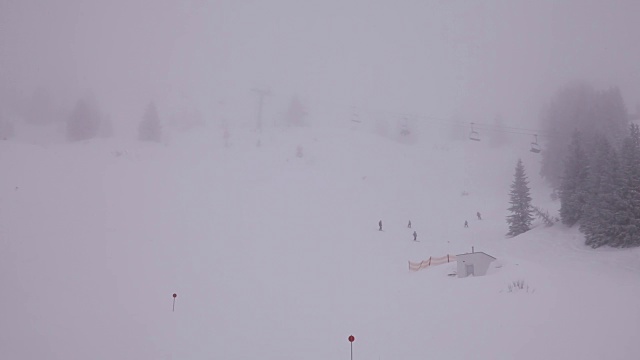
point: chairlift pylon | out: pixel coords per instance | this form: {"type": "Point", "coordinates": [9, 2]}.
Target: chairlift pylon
{"type": "Point", "coordinates": [535, 148]}
{"type": "Point", "coordinates": [473, 135]}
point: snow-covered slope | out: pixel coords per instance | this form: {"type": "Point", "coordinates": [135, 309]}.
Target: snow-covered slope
{"type": "Point", "coordinates": [275, 256]}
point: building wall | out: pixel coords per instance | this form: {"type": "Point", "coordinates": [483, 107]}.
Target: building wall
{"type": "Point", "coordinates": [480, 261]}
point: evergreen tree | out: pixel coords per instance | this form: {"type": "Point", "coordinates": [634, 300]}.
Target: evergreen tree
{"type": "Point", "coordinates": [579, 106]}
{"type": "Point", "coordinates": [573, 186]}
{"type": "Point", "coordinates": [150, 128]}
{"type": "Point", "coordinates": [84, 121]}
{"type": "Point", "coordinates": [570, 108]}
{"type": "Point", "coordinates": [521, 210]}
{"type": "Point", "coordinates": [602, 217]}
{"type": "Point", "coordinates": [612, 116]}
{"type": "Point", "coordinates": [629, 214]}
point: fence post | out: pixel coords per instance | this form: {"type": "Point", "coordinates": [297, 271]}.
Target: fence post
{"type": "Point", "coordinates": [447, 257]}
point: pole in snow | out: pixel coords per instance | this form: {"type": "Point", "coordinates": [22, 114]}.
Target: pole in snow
{"type": "Point", "coordinates": [261, 93]}
{"type": "Point", "coordinates": [174, 301]}
{"type": "Point", "coordinates": [351, 340]}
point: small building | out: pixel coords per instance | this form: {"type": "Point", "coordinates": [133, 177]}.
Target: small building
{"type": "Point", "coordinates": [474, 263]}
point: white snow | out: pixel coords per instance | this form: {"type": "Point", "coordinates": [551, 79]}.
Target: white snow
{"type": "Point", "coordinates": [273, 256]}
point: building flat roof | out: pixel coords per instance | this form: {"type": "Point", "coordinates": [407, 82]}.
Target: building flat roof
{"type": "Point", "coordinates": [477, 252]}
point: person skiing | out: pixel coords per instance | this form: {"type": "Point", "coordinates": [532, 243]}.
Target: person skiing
{"type": "Point", "coordinates": [415, 236]}
{"type": "Point", "coordinates": [466, 224]}
{"type": "Point", "coordinates": [409, 224]}
{"type": "Point", "coordinates": [380, 225]}
{"type": "Point", "coordinates": [478, 215]}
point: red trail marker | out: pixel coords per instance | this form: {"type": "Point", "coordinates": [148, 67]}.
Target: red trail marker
{"type": "Point", "coordinates": [351, 340]}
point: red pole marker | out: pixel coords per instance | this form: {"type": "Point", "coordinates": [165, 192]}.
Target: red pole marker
{"type": "Point", "coordinates": [174, 301]}
{"type": "Point", "coordinates": [351, 340]}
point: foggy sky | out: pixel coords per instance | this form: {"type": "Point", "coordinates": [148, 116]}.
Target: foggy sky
{"type": "Point", "coordinates": [437, 58]}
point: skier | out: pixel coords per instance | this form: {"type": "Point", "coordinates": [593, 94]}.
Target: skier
{"type": "Point", "coordinates": [409, 225]}
{"type": "Point", "coordinates": [466, 224]}
{"type": "Point", "coordinates": [415, 236]}
{"type": "Point", "coordinates": [478, 215]}
{"type": "Point", "coordinates": [380, 225]}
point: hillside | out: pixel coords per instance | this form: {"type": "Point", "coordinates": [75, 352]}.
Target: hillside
{"type": "Point", "coordinates": [275, 256]}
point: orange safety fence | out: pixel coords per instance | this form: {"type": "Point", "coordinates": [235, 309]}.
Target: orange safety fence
{"type": "Point", "coordinates": [432, 261]}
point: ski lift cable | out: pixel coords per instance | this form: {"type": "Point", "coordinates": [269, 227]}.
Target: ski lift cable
{"type": "Point", "coordinates": [491, 127]}
{"type": "Point", "coordinates": [479, 126]}
{"type": "Point", "coordinates": [461, 123]}
{"type": "Point", "coordinates": [498, 130]}
{"type": "Point", "coordinates": [506, 131]}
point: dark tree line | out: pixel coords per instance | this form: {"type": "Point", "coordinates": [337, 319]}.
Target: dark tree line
{"type": "Point", "coordinates": [87, 122]}
{"type": "Point", "coordinates": [600, 189]}
{"type": "Point", "coordinates": [579, 106]}
{"type": "Point", "coordinates": [597, 176]}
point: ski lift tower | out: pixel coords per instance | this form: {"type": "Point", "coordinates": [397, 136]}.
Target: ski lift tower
{"type": "Point", "coordinates": [261, 93]}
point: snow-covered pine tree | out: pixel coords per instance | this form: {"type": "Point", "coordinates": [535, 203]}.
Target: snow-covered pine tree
{"type": "Point", "coordinates": [547, 218]}
{"type": "Point", "coordinates": [149, 128]}
{"type": "Point", "coordinates": [601, 220]}
{"type": "Point", "coordinates": [573, 185]}
{"type": "Point", "coordinates": [521, 210]}
{"type": "Point", "coordinates": [629, 216]}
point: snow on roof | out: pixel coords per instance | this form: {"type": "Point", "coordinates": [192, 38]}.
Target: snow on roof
{"type": "Point", "coordinates": [477, 252]}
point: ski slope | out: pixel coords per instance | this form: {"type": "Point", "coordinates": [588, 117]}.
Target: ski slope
{"type": "Point", "coordinates": [275, 256]}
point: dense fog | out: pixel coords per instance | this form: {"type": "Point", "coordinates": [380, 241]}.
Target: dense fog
{"type": "Point", "coordinates": [247, 179]}
{"type": "Point", "coordinates": [472, 60]}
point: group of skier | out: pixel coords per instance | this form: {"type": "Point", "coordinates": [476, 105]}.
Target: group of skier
{"type": "Point", "coordinates": [415, 234]}
{"type": "Point", "coordinates": [466, 223]}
